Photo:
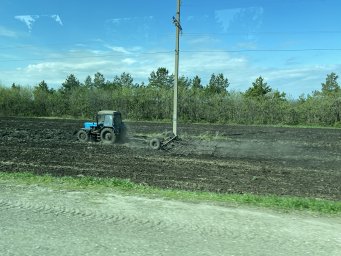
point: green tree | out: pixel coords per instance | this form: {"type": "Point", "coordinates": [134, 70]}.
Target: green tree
{"type": "Point", "coordinates": [124, 80]}
{"type": "Point", "coordinates": [43, 86]}
{"type": "Point", "coordinates": [259, 88]}
{"type": "Point", "coordinates": [331, 85]}
{"type": "Point", "coordinates": [196, 83]}
{"type": "Point", "coordinates": [99, 80]}
{"type": "Point", "coordinates": [70, 83]}
{"type": "Point", "coordinates": [88, 82]}
{"type": "Point", "coordinates": [42, 99]}
{"type": "Point", "coordinates": [184, 82]}
{"type": "Point", "coordinates": [331, 97]}
{"type": "Point", "coordinates": [279, 95]}
{"type": "Point", "coordinates": [161, 78]}
{"type": "Point", "coordinates": [218, 84]}
{"type": "Point", "coordinates": [79, 102]}
{"type": "Point", "coordinates": [19, 101]}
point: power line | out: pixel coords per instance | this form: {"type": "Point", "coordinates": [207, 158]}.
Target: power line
{"type": "Point", "coordinates": [86, 56]}
{"type": "Point", "coordinates": [185, 34]}
{"type": "Point", "coordinates": [269, 50]}
{"type": "Point", "coordinates": [305, 32]}
{"type": "Point", "coordinates": [172, 52]}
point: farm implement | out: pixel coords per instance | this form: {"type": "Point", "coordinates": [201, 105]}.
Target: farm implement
{"type": "Point", "coordinates": [163, 143]}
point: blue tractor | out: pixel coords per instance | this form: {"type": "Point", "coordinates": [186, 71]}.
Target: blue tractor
{"type": "Point", "coordinates": [108, 128]}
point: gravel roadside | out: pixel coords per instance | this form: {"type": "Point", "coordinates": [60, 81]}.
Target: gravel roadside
{"type": "Point", "coordinates": [36, 221]}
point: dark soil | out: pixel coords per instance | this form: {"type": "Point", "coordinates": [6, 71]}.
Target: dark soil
{"type": "Point", "coordinates": [227, 159]}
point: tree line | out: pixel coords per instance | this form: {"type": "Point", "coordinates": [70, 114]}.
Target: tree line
{"type": "Point", "coordinates": [213, 103]}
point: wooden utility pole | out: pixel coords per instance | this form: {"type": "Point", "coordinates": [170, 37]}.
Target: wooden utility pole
{"type": "Point", "coordinates": [176, 21]}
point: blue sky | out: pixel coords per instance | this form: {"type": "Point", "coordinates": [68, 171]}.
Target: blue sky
{"type": "Point", "coordinates": [293, 44]}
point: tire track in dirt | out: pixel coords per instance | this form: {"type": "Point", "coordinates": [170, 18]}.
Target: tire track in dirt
{"type": "Point", "coordinates": [40, 221]}
{"type": "Point", "coordinates": [94, 216]}
{"type": "Point", "coordinates": [85, 214]}
{"type": "Point", "coordinates": [117, 218]}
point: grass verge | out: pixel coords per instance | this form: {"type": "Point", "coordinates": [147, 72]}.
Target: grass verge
{"type": "Point", "coordinates": [125, 186]}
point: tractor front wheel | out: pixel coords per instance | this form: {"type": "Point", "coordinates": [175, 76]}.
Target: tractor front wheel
{"type": "Point", "coordinates": [107, 135]}
{"type": "Point", "coordinates": [82, 136]}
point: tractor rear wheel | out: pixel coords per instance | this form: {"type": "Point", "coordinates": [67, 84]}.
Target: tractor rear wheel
{"type": "Point", "coordinates": [82, 136]}
{"type": "Point", "coordinates": [107, 135]}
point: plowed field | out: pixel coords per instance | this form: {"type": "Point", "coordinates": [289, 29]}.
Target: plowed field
{"type": "Point", "coordinates": [218, 158]}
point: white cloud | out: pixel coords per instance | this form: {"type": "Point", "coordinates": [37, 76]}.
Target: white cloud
{"type": "Point", "coordinates": [120, 20]}
{"type": "Point", "coordinates": [118, 49]}
{"type": "Point", "coordinates": [59, 65]}
{"type": "Point", "coordinates": [96, 52]}
{"type": "Point", "coordinates": [57, 19]}
{"type": "Point", "coordinates": [238, 68]}
{"type": "Point", "coordinates": [244, 20]}
{"type": "Point", "coordinates": [211, 62]}
{"type": "Point", "coordinates": [129, 61]}
{"type": "Point", "coordinates": [226, 16]}
{"type": "Point", "coordinates": [293, 81]}
{"type": "Point", "coordinates": [128, 19]}
{"type": "Point", "coordinates": [28, 20]}
{"type": "Point", "coordinates": [203, 40]}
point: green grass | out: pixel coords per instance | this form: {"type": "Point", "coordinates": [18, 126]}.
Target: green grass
{"type": "Point", "coordinates": [125, 186]}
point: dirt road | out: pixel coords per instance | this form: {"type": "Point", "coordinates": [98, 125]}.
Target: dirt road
{"type": "Point", "coordinates": [41, 221]}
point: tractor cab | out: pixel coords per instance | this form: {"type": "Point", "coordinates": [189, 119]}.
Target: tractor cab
{"type": "Point", "coordinates": [108, 118]}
